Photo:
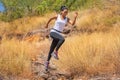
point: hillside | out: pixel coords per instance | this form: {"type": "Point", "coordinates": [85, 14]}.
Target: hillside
{"type": "Point", "coordinates": [90, 52]}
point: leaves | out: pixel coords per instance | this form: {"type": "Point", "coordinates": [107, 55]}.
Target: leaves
{"type": "Point", "coordinates": [20, 8]}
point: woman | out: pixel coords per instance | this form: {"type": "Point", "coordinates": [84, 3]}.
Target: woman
{"type": "Point", "coordinates": [56, 32]}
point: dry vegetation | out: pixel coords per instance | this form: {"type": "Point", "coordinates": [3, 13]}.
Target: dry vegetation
{"type": "Point", "coordinates": [95, 50]}
{"type": "Point", "coordinates": [16, 56]}
{"type": "Point", "coordinates": [97, 53]}
{"type": "Point", "coordinates": [24, 25]}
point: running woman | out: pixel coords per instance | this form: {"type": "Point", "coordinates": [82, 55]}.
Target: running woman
{"type": "Point", "coordinates": [56, 32]}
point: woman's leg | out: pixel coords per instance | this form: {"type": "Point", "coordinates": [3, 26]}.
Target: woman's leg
{"type": "Point", "coordinates": [57, 42]}
{"type": "Point", "coordinates": [52, 47]}
{"type": "Point", "coordinates": [60, 39]}
{"type": "Point", "coordinates": [60, 42]}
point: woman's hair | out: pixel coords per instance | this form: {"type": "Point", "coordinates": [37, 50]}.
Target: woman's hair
{"type": "Point", "coordinates": [63, 8]}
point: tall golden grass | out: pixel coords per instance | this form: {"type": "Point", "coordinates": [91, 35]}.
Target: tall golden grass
{"type": "Point", "coordinates": [16, 56]}
{"type": "Point", "coordinates": [98, 20]}
{"type": "Point", "coordinates": [24, 25]}
{"type": "Point", "coordinates": [96, 53]}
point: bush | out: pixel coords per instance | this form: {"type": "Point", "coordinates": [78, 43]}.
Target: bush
{"type": "Point", "coordinates": [20, 8]}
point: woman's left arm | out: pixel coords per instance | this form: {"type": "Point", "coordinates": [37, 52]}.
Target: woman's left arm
{"type": "Point", "coordinates": [75, 17]}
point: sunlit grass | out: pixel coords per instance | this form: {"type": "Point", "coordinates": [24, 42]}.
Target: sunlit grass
{"type": "Point", "coordinates": [97, 53]}
{"type": "Point", "coordinates": [94, 53]}
{"type": "Point", "coordinates": [15, 57]}
{"type": "Point", "coordinates": [26, 24]}
{"type": "Point", "coordinates": [97, 19]}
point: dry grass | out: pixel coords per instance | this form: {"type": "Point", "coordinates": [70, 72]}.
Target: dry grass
{"type": "Point", "coordinates": [24, 25]}
{"type": "Point", "coordinates": [97, 19]}
{"type": "Point", "coordinates": [93, 54]}
{"type": "Point", "coordinates": [15, 57]}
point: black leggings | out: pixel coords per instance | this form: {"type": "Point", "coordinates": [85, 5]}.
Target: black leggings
{"type": "Point", "coordinates": [58, 40]}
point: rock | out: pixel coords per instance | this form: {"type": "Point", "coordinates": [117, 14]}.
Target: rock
{"type": "Point", "coordinates": [62, 78]}
{"type": "Point", "coordinates": [1, 77]}
{"type": "Point", "coordinates": [38, 78]}
{"type": "Point", "coordinates": [45, 76]}
{"type": "Point", "coordinates": [53, 78]}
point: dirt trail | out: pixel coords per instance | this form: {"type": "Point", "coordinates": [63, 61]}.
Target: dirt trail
{"type": "Point", "coordinates": [56, 74]}
{"type": "Point", "coordinates": [53, 73]}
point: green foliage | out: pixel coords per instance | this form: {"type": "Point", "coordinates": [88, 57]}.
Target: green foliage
{"type": "Point", "coordinates": [20, 8]}
{"type": "Point", "coordinates": [42, 7]}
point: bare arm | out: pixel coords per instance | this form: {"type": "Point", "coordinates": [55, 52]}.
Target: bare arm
{"type": "Point", "coordinates": [55, 17]}
{"type": "Point", "coordinates": [74, 21]}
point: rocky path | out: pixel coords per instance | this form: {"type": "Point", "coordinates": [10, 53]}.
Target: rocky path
{"type": "Point", "coordinates": [52, 74]}
{"type": "Point", "coordinates": [55, 74]}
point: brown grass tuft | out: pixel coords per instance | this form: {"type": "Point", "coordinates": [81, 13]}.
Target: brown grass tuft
{"type": "Point", "coordinates": [93, 54]}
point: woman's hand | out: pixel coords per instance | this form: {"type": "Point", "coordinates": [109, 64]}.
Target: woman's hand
{"type": "Point", "coordinates": [73, 22]}
{"type": "Point", "coordinates": [76, 14]}
{"type": "Point", "coordinates": [46, 26]}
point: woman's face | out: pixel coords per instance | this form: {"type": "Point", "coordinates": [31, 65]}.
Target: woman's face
{"type": "Point", "coordinates": [64, 12]}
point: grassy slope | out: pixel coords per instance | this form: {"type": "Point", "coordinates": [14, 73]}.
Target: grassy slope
{"type": "Point", "coordinates": [93, 53]}
{"type": "Point", "coordinates": [96, 51]}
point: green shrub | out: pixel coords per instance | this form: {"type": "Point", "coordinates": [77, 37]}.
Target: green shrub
{"type": "Point", "coordinates": [20, 8]}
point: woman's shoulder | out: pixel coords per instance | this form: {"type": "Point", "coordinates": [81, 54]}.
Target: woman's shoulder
{"type": "Point", "coordinates": [67, 17]}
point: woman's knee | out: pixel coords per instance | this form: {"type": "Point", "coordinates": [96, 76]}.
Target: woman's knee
{"type": "Point", "coordinates": [62, 40]}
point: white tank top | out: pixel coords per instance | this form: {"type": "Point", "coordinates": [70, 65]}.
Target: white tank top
{"type": "Point", "coordinates": [59, 24]}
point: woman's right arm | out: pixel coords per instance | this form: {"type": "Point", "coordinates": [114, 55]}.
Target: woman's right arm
{"type": "Point", "coordinates": [55, 17]}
